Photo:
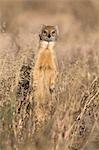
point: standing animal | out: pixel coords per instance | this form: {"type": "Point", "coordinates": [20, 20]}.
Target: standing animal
{"type": "Point", "coordinates": [46, 68]}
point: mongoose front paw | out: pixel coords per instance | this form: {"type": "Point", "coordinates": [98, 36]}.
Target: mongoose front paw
{"type": "Point", "coordinates": [52, 88]}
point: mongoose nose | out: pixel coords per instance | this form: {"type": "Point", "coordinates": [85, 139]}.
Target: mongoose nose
{"type": "Point", "coordinates": [49, 36]}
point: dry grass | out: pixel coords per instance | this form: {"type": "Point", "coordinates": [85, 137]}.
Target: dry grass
{"type": "Point", "coordinates": [71, 120]}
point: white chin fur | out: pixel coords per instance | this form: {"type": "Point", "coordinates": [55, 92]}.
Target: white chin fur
{"type": "Point", "coordinates": [45, 44]}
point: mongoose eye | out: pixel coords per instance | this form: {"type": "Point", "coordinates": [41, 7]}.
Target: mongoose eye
{"type": "Point", "coordinates": [53, 32]}
{"type": "Point", "coordinates": [44, 32]}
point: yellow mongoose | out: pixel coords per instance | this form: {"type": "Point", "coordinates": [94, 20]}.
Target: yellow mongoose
{"type": "Point", "coordinates": [45, 69]}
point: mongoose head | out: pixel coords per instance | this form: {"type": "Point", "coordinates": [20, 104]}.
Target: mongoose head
{"type": "Point", "coordinates": [48, 33]}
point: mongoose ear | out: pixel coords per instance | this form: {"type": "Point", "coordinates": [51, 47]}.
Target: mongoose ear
{"type": "Point", "coordinates": [57, 29]}
{"type": "Point", "coordinates": [43, 26]}
{"type": "Point", "coordinates": [40, 30]}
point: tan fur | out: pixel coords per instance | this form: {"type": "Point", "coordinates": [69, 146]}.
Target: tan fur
{"type": "Point", "coordinates": [44, 78]}
{"type": "Point", "coordinates": [45, 71]}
